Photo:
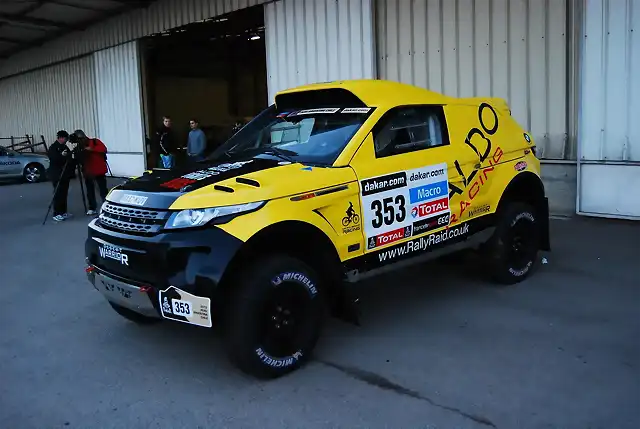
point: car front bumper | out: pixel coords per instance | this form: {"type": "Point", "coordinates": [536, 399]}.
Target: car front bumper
{"type": "Point", "coordinates": [132, 270]}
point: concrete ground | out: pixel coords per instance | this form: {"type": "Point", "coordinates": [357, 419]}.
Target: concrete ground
{"type": "Point", "coordinates": [437, 348]}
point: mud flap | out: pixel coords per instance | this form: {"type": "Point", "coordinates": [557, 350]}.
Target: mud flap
{"type": "Point", "coordinates": [346, 306]}
{"type": "Point", "coordinates": [545, 233]}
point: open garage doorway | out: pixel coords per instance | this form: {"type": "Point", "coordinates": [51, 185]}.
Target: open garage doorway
{"type": "Point", "coordinates": [214, 70]}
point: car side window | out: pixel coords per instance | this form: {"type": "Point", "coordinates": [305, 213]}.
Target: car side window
{"type": "Point", "coordinates": [409, 129]}
{"type": "Point", "coordinates": [3, 152]}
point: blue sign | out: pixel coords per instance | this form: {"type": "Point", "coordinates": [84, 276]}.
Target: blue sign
{"type": "Point", "coordinates": [428, 192]}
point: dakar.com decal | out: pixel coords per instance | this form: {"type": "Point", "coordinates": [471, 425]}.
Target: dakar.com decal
{"type": "Point", "coordinates": [423, 243]}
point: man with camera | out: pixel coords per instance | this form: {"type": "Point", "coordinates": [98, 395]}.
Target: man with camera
{"type": "Point", "coordinates": [60, 172]}
{"type": "Point", "coordinates": [92, 156]}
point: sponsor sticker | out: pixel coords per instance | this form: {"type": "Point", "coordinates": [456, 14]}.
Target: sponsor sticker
{"type": "Point", "coordinates": [520, 166]}
{"type": "Point", "coordinates": [135, 200]}
{"type": "Point", "coordinates": [181, 306]}
{"type": "Point", "coordinates": [390, 237]}
{"type": "Point", "coordinates": [431, 223]}
{"type": "Point", "coordinates": [214, 171]}
{"type": "Point", "coordinates": [356, 110]}
{"type": "Point", "coordinates": [423, 244]}
{"type": "Point", "coordinates": [314, 111]}
{"type": "Point", "coordinates": [428, 192]}
{"type": "Point", "coordinates": [9, 162]}
{"type": "Point", "coordinates": [430, 208]}
{"type": "Point", "coordinates": [351, 222]}
{"type": "Point", "coordinates": [108, 251]}
{"type": "Point", "coordinates": [480, 210]}
{"type": "Point", "coordinates": [392, 203]}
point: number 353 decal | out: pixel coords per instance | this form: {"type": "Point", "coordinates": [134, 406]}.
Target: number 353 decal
{"type": "Point", "coordinates": [406, 203]}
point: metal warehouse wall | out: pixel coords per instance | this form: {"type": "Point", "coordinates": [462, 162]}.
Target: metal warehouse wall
{"type": "Point", "coordinates": [609, 152]}
{"type": "Point", "coordinates": [515, 49]}
{"type": "Point", "coordinates": [317, 41]}
{"type": "Point", "coordinates": [119, 107]}
{"type": "Point", "coordinates": [53, 98]}
{"type": "Point", "coordinates": [160, 16]}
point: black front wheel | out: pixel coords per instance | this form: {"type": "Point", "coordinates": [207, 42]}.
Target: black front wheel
{"type": "Point", "coordinates": [275, 317]}
{"type": "Point", "coordinates": [511, 253]}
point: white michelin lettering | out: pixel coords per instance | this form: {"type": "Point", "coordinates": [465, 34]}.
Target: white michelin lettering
{"type": "Point", "coordinates": [523, 215]}
{"type": "Point", "coordinates": [295, 276]}
{"type": "Point", "coordinates": [275, 362]}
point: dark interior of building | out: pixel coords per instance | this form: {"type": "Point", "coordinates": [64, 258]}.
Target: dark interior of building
{"type": "Point", "coordinates": [213, 71]}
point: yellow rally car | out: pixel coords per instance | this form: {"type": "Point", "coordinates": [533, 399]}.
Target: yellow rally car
{"type": "Point", "coordinates": [333, 183]}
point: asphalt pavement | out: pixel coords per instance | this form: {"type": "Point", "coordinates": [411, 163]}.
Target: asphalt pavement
{"type": "Point", "coordinates": [438, 348]}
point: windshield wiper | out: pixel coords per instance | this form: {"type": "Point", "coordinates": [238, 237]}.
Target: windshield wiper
{"type": "Point", "coordinates": [281, 153]}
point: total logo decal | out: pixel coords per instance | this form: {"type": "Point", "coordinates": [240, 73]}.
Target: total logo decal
{"type": "Point", "coordinates": [403, 204]}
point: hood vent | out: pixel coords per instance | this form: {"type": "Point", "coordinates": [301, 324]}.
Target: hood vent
{"type": "Point", "coordinates": [223, 188]}
{"type": "Point", "coordinates": [249, 182]}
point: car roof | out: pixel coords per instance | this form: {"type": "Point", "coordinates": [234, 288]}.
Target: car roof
{"type": "Point", "coordinates": [380, 92]}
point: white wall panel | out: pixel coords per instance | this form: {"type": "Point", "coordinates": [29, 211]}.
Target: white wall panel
{"type": "Point", "coordinates": [609, 144]}
{"type": "Point", "coordinates": [318, 40]}
{"type": "Point", "coordinates": [49, 99]}
{"type": "Point", "coordinates": [610, 93]}
{"type": "Point", "coordinates": [119, 108]}
{"type": "Point", "coordinates": [160, 16]}
{"type": "Point", "coordinates": [515, 49]}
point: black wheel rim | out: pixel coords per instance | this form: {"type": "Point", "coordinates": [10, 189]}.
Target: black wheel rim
{"type": "Point", "coordinates": [520, 243]}
{"type": "Point", "coordinates": [286, 320]}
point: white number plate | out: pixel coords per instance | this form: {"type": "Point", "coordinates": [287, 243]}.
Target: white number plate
{"type": "Point", "coordinates": [403, 204]}
{"type": "Point", "coordinates": [182, 308]}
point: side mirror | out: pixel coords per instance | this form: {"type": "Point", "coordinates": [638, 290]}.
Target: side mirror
{"type": "Point", "coordinates": [11, 154]}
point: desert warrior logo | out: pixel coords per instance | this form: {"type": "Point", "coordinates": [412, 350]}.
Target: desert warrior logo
{"type": "Point", "coordinates": [423, 243]}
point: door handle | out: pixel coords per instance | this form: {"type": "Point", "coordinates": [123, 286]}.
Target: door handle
{"type": "Point", "coordinates": [477, 166]}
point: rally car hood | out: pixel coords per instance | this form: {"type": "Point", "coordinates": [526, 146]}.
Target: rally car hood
{"type": "Point", "coordinates": [221, 184]}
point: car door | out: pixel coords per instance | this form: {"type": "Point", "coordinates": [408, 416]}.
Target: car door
{"type": "Point", "coordinates": [9, 164]}
{"type": "Point", "coordinates": [407, 170]}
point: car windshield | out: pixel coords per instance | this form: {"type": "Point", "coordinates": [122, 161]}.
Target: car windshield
{"type": "Point", "coordinates": [311, 136]}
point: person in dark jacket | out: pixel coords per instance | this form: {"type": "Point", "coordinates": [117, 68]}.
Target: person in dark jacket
{"type": "Point", "coordinates": [166, 144]}
{"type": "Point", "coordinates": [93, 158]}
{"type": "Point", "coordinates": [61, 170]}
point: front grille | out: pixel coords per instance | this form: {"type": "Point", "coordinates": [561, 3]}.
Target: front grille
{"type": "Point", "coordinates": [128, 219]}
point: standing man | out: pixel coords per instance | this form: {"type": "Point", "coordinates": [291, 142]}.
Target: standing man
{"type": "Point", "coordinates": [60, 172]}
{"type": "Point", "coordinates": [166, 143]}
{"type": "Point", "coordinates": [197, 142]}
{"type": "Point", "coordinates": [93, 158]}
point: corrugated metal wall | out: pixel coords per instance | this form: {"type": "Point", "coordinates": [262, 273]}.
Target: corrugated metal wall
{"type": "Point", "coordinates": [53, 98]}
{"type": "Point", "coordinates": [160, 16]}
{"type": "Point", "coordinates": [515, 49]}
{"type": "Point", "coordinates": [119, 106]}
{"type": "Point", "coordinates": [609, 153]}
{"type": "Point", "coordinates": [318, 40]}
{"type": "Point", "coordinates": [610, 92]}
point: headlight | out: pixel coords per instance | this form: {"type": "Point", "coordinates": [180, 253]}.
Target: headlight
{"type": "Point", "coordinates": [192, 218]}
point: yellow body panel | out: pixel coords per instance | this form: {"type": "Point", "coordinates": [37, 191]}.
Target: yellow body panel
{"type": "Point", "coordinates": [486, 150]}
{"type": "Point", "coordinates": [325, 212]}
{"type": "Point", "coordinates": [278, 182]}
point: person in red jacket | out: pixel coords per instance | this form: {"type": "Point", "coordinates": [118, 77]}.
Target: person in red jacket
{"type": "Point", "coordinates": [94, 168]}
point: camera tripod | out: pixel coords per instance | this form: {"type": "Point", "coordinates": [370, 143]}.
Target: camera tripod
{"type": "Point", "coordinates": [80, 176]}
